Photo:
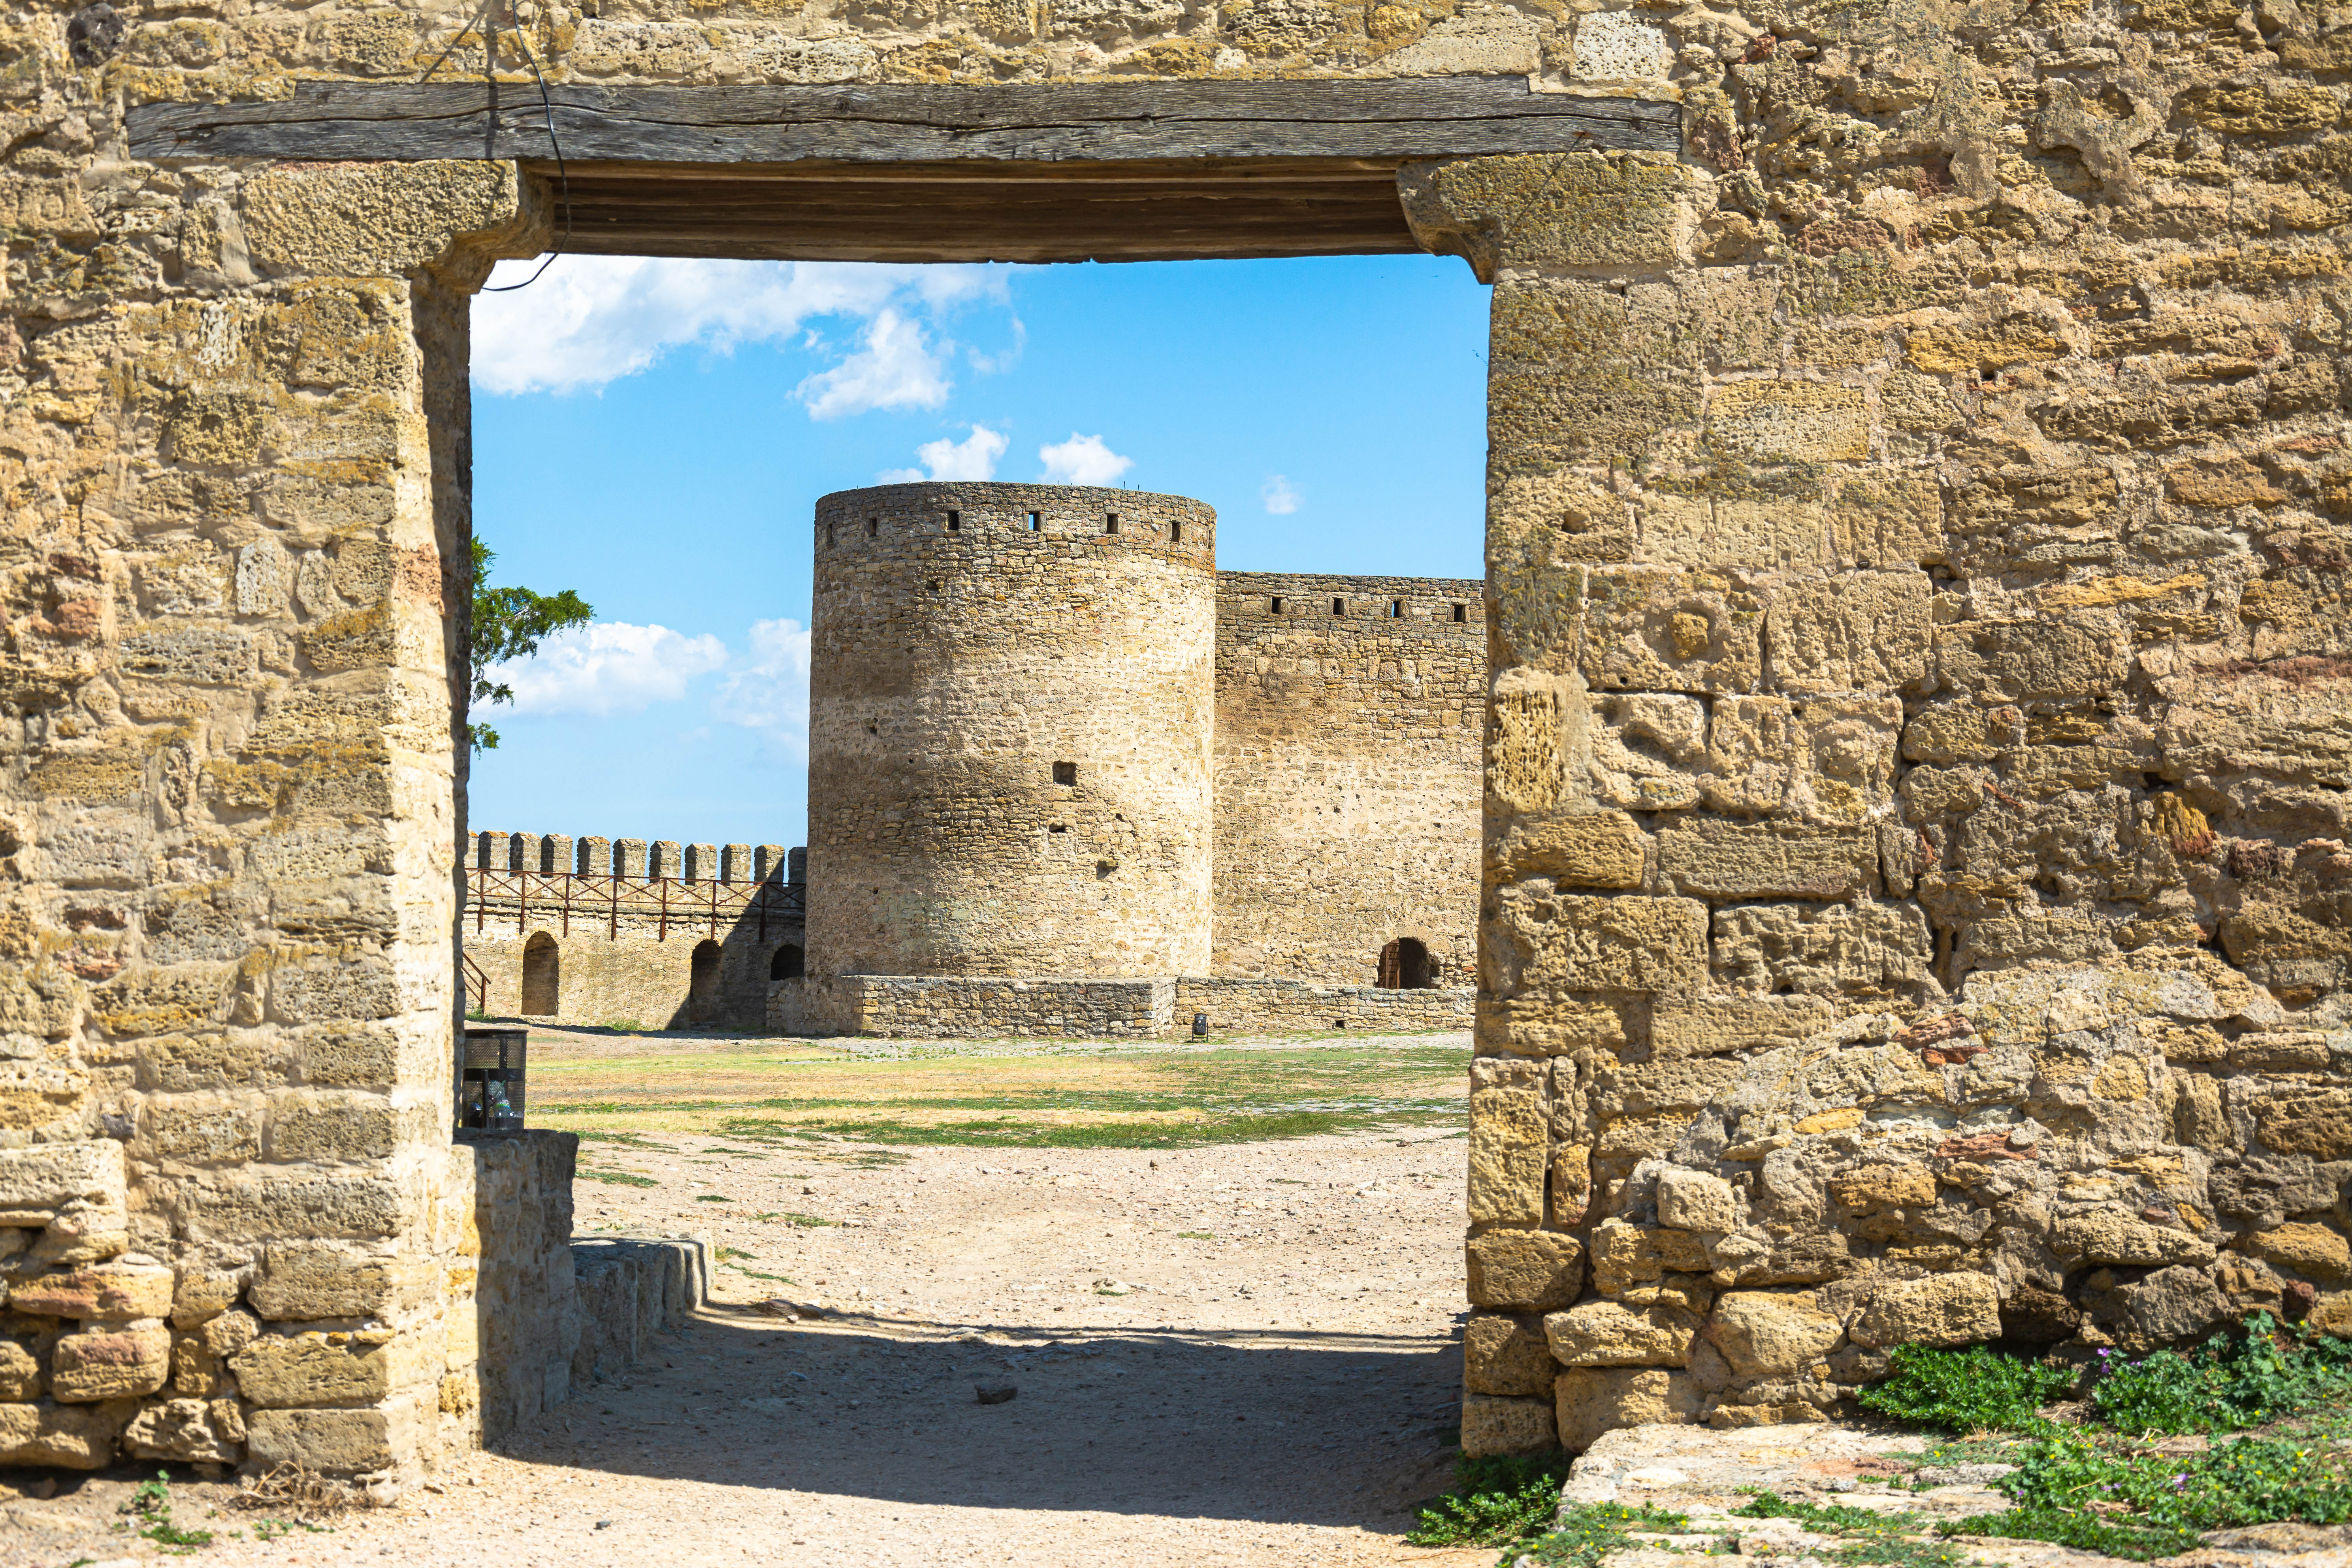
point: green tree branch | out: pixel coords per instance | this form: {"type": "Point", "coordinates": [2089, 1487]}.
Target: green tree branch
{"type": "Point", "coordinates": [508, 624]}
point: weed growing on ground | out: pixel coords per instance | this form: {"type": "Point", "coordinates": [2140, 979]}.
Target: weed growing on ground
{"type": "Point", "coordinates": [2081, 1490]}
{"type": "Point", "coordinates": [755, 1274]}
{"type": "Point", "coordinates": [1965, 1391]}
{"type": "Point", "coordinates": [2092, 1487]}
{"type": "Point", "coordinates": [1195, 1236]}
{"type": "Point", "coordinates": [2226, 1384]}
{"type": "Point", "coordinates": [635, 1139]}
{"type": "Point", "coordinates": [1496, 1499]}
{"type": "Point", "coordinates": [614, 1178]}
{"type": "Point", "coordinates": [1587, 1531]}
{"type": "Point", "coordinates": [712, 1198]}
{"type": "Point", "coordinates": [805, 1221]}
{"type": "Point", "coordinates": [1867, 1536]}
{"type": "Point", "coordinates": [622, 1026]}
{"type": "Point", "coordinates": [727, 1254]}
{"type": "Point", "coordinates": [150, 1508]}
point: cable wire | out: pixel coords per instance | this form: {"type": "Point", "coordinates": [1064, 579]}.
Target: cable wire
{"type": "Point", "coordinates": [487, 14]}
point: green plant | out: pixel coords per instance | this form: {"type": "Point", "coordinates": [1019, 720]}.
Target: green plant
{"type": "Point", "coordinates": [624, 1025]}
{"type": "Point", "coordinates": [1194, 1236]}
{"type": "Point", "coordinates": [1965, 1391]}
{"type": "Point", "coordinates": [805, 1221]}
{"type": "Point", "coordinates": [1585, 1533]}
{"type": "Point", "coordinates": [2227, 1383]}
{"type": "Point", "coordinates": [614, 1178]}
{"type": "Point", "coordinates": [150, 1508]}
{"type": "Point", "coordinates": [2092, 1490]}
{"type": "Point", "coordinates": [1496, 1499]}
{"type": "Point", "coordinates": [712, 1198]}
{"type": "Point", "coordinates": [1865, 1536]}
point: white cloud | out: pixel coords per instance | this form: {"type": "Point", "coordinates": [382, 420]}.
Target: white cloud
{"type": "Point", "coordinates": [608, 667]}
{"type": "Point", "coordinates": [1082, 460]}
{"type": "Point", "coordinates": [768, 692]}
{"type": "Point", "coordinates": [997, 364]}
{"type": "Point", "coordinates": [897, 369]}
{"type": "Point", "coordinates": [973, 458]}
{"type": "Point", "coordinates": [1280, 496]}
{"type": "Point", "coordinates": [590, 320]}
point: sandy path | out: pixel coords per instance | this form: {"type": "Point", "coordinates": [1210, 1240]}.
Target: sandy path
{"type": "Point", "coordinates": [1281, 1394]}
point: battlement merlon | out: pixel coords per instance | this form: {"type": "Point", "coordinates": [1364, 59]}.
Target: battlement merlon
{"type": "Point", "coordinates": [636, 861]}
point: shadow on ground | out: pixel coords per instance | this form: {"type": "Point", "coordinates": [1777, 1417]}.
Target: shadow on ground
{"type": "Point", "coordinates": [1298, 1426]}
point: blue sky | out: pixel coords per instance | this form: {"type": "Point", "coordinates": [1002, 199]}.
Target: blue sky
{"type": "Point", "coordinates": [655, 433]}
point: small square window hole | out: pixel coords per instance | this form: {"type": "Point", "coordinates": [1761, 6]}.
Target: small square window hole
{"type": "Point", "coordinates": [1065, 773]}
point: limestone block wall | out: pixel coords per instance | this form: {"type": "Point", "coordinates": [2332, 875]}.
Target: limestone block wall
{"type": "Point", "coordinates": [1914, 800]}
{"type": "Point", "coordinates": [1010, 703]}
{"type": "Point", "coordinates": [229, 801]}
{"type": "Point", "coordinates": [1349, 714]}
{"type": "Point", "coordinates": [967, 1007]}
{"type": "Point", "coordinates": [1238, 1005]}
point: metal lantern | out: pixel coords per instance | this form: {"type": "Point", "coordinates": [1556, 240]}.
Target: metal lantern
{"type": "Point", "coordinates": [490, 1080]}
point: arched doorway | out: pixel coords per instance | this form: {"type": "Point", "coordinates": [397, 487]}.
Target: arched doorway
{"type": "Point", "coordinates": [789, 963]}
{"type": "Point", "coordinates": [702, 983]}
{"type": "Point", "coordinates": [542, 976]}
{"type": "Point", "coordinates": [1405, 965]}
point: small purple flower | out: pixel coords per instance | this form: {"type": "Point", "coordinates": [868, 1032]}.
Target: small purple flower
{"type": "Point", "coordinates": [2180, 1480]}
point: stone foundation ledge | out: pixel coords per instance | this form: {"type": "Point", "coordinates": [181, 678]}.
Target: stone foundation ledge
{"type": "Point", "coordinates": [935, 1007]}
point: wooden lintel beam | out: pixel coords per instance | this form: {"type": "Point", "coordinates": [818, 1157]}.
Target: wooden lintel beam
{"type": "Point", "coordinates": [1382, 121]}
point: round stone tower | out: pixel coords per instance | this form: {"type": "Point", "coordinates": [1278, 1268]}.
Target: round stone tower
{"type": "Point", "coordinates": [1012, 699]}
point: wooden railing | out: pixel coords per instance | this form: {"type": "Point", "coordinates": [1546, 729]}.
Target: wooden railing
{"type": "Point", "coordinates": [666, 899]}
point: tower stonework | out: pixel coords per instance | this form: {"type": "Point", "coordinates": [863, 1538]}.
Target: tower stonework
{"type": "Point", "coordinates": [1011, 712]}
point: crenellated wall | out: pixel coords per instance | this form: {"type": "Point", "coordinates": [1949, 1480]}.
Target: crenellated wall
{"type": "Point", "coordinates": [621, 941]}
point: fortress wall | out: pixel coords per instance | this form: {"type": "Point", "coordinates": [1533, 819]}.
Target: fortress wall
{"type": "Point", "coordinates": [637, 978]}
{"type": "Point", "coordinates": [950, 670]}
{"type": "Point", "coordinates": [971, 1006]}
{"type": "Point", "coordinates": [1241, 1005]}
{"type": "Point", "coordinates": [1346, 780]}
{"type": "Point", "coordinates": [629, 963]}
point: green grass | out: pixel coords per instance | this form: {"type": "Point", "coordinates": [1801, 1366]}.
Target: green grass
{"type": "Point", "coordinates": [1863, 1535]}
{"type": "Point", "coordinates": [805, 1221]}
{"type": "Point", "coordinates": [755, 1274]}
{"type": "Point", "coordinates": [2227, 1384]}
{"type": "Point", "coordinates": [712, 1198]}
{"type": "Point", "coordinates": [1585, 1532]}
{"type": "Point", "coordinates": [624, 1025]}
{"type": "Point", "coordinates": [1194, 1236]}
{"type": "Point", "coordinates": [614, 1178]}
{"type": "Point", "coordinates": [726, 1252]}
{"type": "Point", "coordinates": [2097, 1487]}
{"type": "Point", "coordinates": [1965, 1391]}
{"type": "Point", "coordinates": [1495, 1499]}
{"type": "Point", "coordinates": [1190, 1099]}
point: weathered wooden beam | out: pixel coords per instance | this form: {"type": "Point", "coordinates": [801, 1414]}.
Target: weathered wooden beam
{"type": "Point", "coordinates": [1134, 213]}
{"type": "Point", "coordinates": [1388, 121]}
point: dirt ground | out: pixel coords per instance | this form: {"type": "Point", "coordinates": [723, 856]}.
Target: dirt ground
{"type": "Point", "coordinates": [1242, 1354]}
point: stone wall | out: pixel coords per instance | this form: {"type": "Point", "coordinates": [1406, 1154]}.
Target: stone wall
{"type": "Point", "coordinates": [967, 1006]}
{"type": "Point", "coordinates": [1009, 691]}
{"type": "Point", "coordinates": [655, 934]}
{"type": "Point", "coordinates": [1915, 555]}
{"type": "Point", "coordinates": [1349, 723]}
{"type": "Point", "coordinates": [1915, 785]}
{"type": "Point", "coordinates": [1247, 1006]}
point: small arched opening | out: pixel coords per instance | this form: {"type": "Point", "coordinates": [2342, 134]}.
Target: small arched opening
{"type": "Point", "coordinates": [1405, 965]}
{"type": "Point", "coordinates": [542, 976]}
{"type": "Point", "coordinates": [702, 983]}
{"type": "Point", "coordinates": [789, 963]}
